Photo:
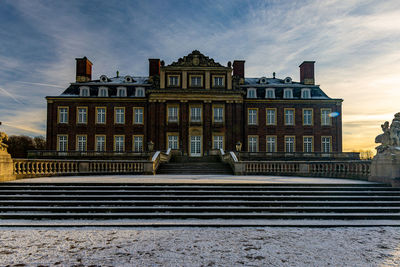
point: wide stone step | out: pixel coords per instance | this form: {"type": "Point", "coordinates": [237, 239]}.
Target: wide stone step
{"type": "Point", "coordinates": [208, 215]}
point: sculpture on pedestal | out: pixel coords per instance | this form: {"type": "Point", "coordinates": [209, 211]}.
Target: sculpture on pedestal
{"type": "Point", "coordinates": [390, 139]}
{"type": "Point", "coordinates": [3, 137]}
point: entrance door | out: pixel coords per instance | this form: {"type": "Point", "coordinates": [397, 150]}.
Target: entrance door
{"type": "Point", "coordinates": [195, 146]}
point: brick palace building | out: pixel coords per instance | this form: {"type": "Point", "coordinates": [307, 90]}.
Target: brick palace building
{"type": "Point", "coordinates": [194, 105]}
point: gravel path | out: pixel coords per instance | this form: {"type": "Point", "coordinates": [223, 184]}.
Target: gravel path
{"type": "Point", "coordinates": [378, 246]}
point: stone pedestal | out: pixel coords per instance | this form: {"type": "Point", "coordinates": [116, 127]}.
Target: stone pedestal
{"type": "Point", "coordinates": [385, 168]}
{"type": "Point", "coordinates": [6, 167]}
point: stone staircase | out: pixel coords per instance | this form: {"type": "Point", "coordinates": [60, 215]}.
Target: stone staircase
{"type": "Point", "coordinates": [192, 165]}
{"type": "Point", "coordinates": [133, 204]}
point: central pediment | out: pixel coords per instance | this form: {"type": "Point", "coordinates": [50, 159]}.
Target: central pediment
{"type": "Point", "coordinates": [195, 59]}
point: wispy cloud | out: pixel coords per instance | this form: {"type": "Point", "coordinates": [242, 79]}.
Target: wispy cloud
{"type": "Point", "coordinates": [6, 93]}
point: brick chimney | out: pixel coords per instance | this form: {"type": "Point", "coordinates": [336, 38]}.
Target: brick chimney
{"type": "Point", "coordinates": [238, 68]}
{"type": "Point", "coordinates": [83, 70]}
{"type": "Point", "coordinates": [307, 72]}
{"type": "Point", "coordinates": [154, 66]}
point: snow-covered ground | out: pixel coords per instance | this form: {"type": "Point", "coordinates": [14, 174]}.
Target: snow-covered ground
{"type": "Point", "coordinates": [258, 246]}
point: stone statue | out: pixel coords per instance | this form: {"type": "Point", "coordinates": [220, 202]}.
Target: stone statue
{"type": "Point", "coordinates": [390, 138]}
{"type": "Point", "coordinates": [3, 137]}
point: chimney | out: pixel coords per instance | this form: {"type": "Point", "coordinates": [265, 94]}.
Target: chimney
{"type": "Point", "coordinates": [154, 66]}
{"type": "Point", "coordinates": [83, 70]}
{"type": "Point", "coordinates": [307, 72]}
{"type": "Point", "coordinates": [238, 68]}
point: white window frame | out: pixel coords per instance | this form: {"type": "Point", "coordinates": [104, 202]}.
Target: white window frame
{"type": "Point", "coordinates": [173, 141]}
{"type": "Point", "coordinates": [218, 114]}
{"type": "Point", "coordinates": [138, 143]}
{"type": "Point", "coordinates": [196, 80]}
{"type": "Point", "coordinates": [139, 92]}
{"type": "Point", "coordinates": [101, 116]}
{"type": "Point", "coordinates": [252, 116]}
{"type": "Point", "coordinates": [84, 91]}
{"type": "Point", "coordinates": [81, 143]}
{"type": "Point", "coordinates": [101, 92]}
{"type": "Point", "coordinates": [62, 143]}
{"type": "Point", "coordinates": [290, 144]}
{"type": "Point", "coordinates": [308, 118]}
{"type": "Point", "coordinates": [121, 91]}
{"type": "Point", "coordinates": [138, 115]}
{"type": "Point", "coordinates": [305, 93]}
{"type": "Point", "coordinates": [173, 80]}
{"type": "Point", "coordinates": [82, 115]}
{"type": "Point", "coordinates": [252, 143]}
{"type": "Point", "coordinates": [63, 114]}
{"type": "Point", "coordinates": [326, 144]}
{"type": "Point", "coordinates": [218, 142]}
{"type": "Point", "coordinates": [308, 144]}
{"type": "Point", "coordinates": [325, 118]}
{"type": "Point", "coordinates": [289, 116]}
{"type": "Point", "coordinates": [119, 143]}
{"type": "Point", "coordinates": [271, 143]}
{"type": "Point", "coordinates": [119, 116]}
{"type": "Point", "coordinates": [100, 144]}
{"type": "Point", "coordinates": [218, 81]}
{"type": "Point", "coordinates": [195, 114]}
{"type": "Point", "coordinates": [251, 93]}
{"type": "Point", "coordinates": [272, 90]}
{"type": "Point", "coordinates": [173, 114]}
{"type": "Point", "coordinates": [271, 118]}
{"type": "Point", "coordinates": [288, 93]}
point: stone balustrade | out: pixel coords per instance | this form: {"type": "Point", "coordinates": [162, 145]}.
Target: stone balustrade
{"type": "Point", "coordinates": [358, 169]}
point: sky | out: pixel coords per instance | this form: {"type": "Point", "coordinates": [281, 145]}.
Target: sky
{"type": "Point", "coordinates": [355, 45]}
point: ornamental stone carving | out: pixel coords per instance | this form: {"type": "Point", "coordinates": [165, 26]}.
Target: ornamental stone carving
{"type": "Point", "coordinates": [195, 59]}
{"type": "Point", "coordinates": [3, 137]}
{"type": "Point", "coordinates": [390, 138]}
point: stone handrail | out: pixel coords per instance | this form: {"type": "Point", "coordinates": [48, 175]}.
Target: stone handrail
{"type": "Point", "coordinates": [358, 169]}
{"type": "Point", "coordinates": [25, 168]}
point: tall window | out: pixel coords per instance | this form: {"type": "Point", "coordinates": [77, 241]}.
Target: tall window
{"type": "Point", "coordinates": [289, 144]}
{"type": "Point", "coordinates": [138, 115]}
{"type": "Point", "coordinates": [173, 80]}
{"type": "Point", "coordinates": [81, 143]}
{"type": "Point", "coordinates": [62, 143]}
{"type": "Point", "coordinates": [287, 93]}
{"type": "Point", "coordinates": [173, 141]}
{"type": "Point", "coordinates": [120, 115]}
{"type": "Point", "coordinates": [253, 143]}
{"type": "Point", "coordinates": [100, 143]}
{"type": "Point", "coordinates": [218, 142]}
{"type": "Point", "coordinates": [271, 144]}
{"type": "Point", "coordinates": [101, 115]}
{"type": "Point", "coordinates": [172, 114]}
{"type": "Point", "coordinates": [218, 81]}
{"type": "Point", "coordinates": [270, 93]}
{"type": "Point", "coordinates": [307, 144]}
{"type": "Point", "coordinates": [305, 93]}
{"type": "Point", "coordinates": [307, 117]}
{"type": "Point", "coordinates": [103, 92]}
{"type": "Point", "coordinates": [271, 116]}
{"type": "Point", "coordinates": [252, 116]}
{"type": "Point", "coordinates": [251, 93]}
{"type": "Point", "coordinates": [326, 144]}
{"type": "Point", "coordinates": [82, 115]}
{"type": "Point", "coordinates": [138, 143]}
{"type": "Point", "coordinates": [325, 118]}
{"type": "Point", "coordinates": [195, 114]}
{"type": "Point", "coordinates": [63, 115]}
{"type": "Point", "coordinates": [218, 114]}
{"type": "Point", "coordinates": [195, 81]}
{"type": "Point", "coordinates": [289, 116]}
{"type": "Point", "coordinates": [119, 143]}
{"type": "Point", "coordinates": [121, 91]}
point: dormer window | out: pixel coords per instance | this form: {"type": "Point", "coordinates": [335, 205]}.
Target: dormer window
{"type": "Point", "coordinates": [263, 80]}
{"type": "Point", "coordinates": [121, 91]}
{"type": "Point", "coordinates": [251, 93]}
{"type": "Point", "coordinates": [84, 91]}
{"type": "Point", "coordinates": [270, 93]}
{"type": "Point", "coordinates": [128, 79]}
{"type": "Point", "coordinates": [305, 93]}
{"type": "Point", "coordinates": [288, 93]}
{"type": "Point", "coordinates": [288, 80]}
{"type": "Point", "coordinates": [103, 92]}
{"type": "Point", "coordinates": [103, 79]}
{"type": "Point", "coordinates": [139, 92]}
